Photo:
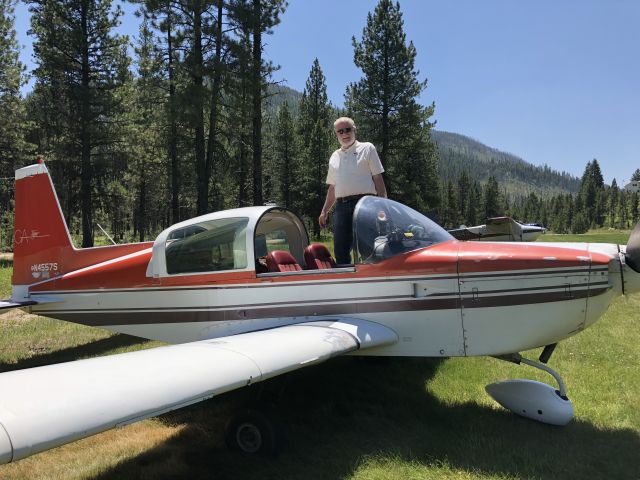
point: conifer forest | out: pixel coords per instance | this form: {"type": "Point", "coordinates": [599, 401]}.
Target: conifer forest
{"type": "Point", "coordinates": [186, 118]}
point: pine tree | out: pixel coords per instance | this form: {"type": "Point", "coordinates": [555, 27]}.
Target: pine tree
{"type": "Point", "coordinates": [256, 18]}
{"type": "Point", "coordinates": [315, 134]}
{"type": "Point", "coordinates": [567, 214]}
{"type": "Point", "coordinates": [492, 200]}
{"type": "Point", "coordinates": [475, 203]}
{"type": "Point", "coordinates": [590, 196]}
{"type": "Point", "coordinates": [622, 213]}
{"type": "Point", "coordinates": [238, 123]}
{"type": "Point", "coordinates": [163, 17]}
{"type": "Point", "coordinates": [463, 198]}
{"type": "Point", "coordinates": [635, 213]}
{"type": "Point", "coordinates": [284, 161]}
{"type": "Point", "coordinates": [636, 175]}
{"type": "Point", "coordinates": [612, 204]}
{"type": "Point", "coordinates": [147, 139]}
{"type": "Point", "coordinates": [13, 148]}
{"type": "Point", "coordinates": [450, 218]}
{"type": "Point", "coordinates": [531, 208]}
{"type": "Point", "coordinates": [80, 65]}
{"type": "Point", "coordinates": [385, 109]}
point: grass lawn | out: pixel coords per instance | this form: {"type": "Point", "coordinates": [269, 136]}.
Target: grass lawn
{"type": "Point", "coordinates": [360, 418]}
{"type": "Point", "coordinates": [601, 236]}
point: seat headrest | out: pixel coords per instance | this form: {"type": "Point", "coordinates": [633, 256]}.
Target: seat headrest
{"type": "Point", "coordinates": [317, 256]}
{"type": "Point", "coordinates": [281, 261]}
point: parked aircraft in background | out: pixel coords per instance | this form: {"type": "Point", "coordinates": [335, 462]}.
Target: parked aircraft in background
{"type": "Point", "coordinates": [500, 229]}
{"type": "Point", "coordinates": [244, 296]}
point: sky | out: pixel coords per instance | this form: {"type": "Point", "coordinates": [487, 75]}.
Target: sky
{"type": "Point", "coordinates": [553, 82]}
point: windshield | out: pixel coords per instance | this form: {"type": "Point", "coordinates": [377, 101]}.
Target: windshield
{"type": "Point", "coordinates": [383, 228]}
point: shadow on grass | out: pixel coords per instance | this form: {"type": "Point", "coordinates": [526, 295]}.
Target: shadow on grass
{"type": "Point", "coordinates": [354, 412]}
{"type": "Point", "coordinates": [91, 349]}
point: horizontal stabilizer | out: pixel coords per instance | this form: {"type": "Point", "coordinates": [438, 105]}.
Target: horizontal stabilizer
{"type": "Point", "coordinates": [43, 407]}
{"type": "Point", "coordinates": [8, 304]}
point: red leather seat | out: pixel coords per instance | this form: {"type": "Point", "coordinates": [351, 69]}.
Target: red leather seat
{"type": "Point", "coordinates": [317, 257]}
{"type": "Point", "coordinates": [282, 261]}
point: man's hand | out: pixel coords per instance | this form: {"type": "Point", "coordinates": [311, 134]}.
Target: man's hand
{"type": "Point", "coordinates": [328, 203]}
{"type": "Point", "coordinates": [322, 219]}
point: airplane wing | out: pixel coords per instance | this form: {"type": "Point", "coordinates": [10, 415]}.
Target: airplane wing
{"type": "Point", "coordinates": [44, 407]}
{"type": "Point", "coordinates": [499, 220]}
{"type": "Point", "coordinates": [495, 227]}
{"type": "Point", "coordinates": [464, 234]}
{"type": "Point", "coordinates": [500, 226]}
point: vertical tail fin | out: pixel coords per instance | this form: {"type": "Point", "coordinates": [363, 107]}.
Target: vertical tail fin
{"type": "Point", "coordinates": [41, 238]}
{"type": "Point", "coordinates": [42, 246]}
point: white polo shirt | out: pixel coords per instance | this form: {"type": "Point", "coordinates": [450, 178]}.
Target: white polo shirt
{"type": "Point", "coordinates": [351, 170]}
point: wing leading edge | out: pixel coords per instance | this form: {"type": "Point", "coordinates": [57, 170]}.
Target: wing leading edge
{"type": "Point", "coordinates": [44, 407]}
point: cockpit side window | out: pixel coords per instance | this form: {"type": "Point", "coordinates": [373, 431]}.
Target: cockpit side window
{"type": "Point", "coordinates": [209, 246]}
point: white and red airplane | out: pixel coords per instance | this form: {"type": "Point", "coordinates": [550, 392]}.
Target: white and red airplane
{"type": "Point", "coordinates": [238, 313]}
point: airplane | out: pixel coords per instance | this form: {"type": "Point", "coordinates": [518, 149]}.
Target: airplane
{"type": "Point", "coordinates": [243, 296]}
{"type": "Point", "coordinates": [500, 229]}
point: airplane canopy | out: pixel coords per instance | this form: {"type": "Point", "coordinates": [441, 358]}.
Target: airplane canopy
{"type": "Point", "coordinates": [383, 228]}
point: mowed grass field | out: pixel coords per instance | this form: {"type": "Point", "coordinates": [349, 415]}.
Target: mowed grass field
{"type": "Point", "coordinates": [360, 418]}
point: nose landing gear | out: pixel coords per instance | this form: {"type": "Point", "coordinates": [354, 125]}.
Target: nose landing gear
{"type": "Point", "coordinates": [531, 399]}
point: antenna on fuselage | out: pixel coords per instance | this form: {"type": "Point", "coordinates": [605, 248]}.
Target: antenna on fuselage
{"type": "Point", "coordinates": [108, 236]}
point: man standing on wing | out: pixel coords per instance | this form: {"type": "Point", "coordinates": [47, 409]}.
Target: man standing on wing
{"type": "Point", "coordinates": [355, 170]}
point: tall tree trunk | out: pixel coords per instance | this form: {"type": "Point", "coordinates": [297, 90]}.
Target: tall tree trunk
{"type": "Point", "coordinates": [174, 170]}
{"type": "Point", "coordinates": [215, 95]}
{"type": "Point", "coordinates": [85, 140]}
{"type": "Point", "coordinates": [319, 198]}
{"type": "Point", "coordinates": [384, 152]}
{"type": "Point", "coordinates": [242, 150]}
{"type": "Point", "coordinates": [256, 91]}
{"type": "Point", "coordinates": [142, 208]}
{"type": "Point", "coordinates": [202, 181]}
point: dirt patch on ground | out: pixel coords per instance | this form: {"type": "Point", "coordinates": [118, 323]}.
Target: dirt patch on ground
{"type": "Point", "coordinates": [15, 316]}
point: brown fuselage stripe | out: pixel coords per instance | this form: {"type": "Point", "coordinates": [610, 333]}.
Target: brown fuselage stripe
{"type": "Point", "coordinates": [439, 295]}
{"type": "Point", "coordinates": [575, 287]}
{"type": "Point", "coordinates": [346, 282]}
{"type": "Point", "coordinates": [555, 273]}
{"type": "Point", "coordinates": [421, 304]}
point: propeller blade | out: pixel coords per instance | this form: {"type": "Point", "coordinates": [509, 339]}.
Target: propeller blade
{"type": "Point", "coordinates": [633, 249]}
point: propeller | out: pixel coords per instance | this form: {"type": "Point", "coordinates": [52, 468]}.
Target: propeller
{"type": "Point", "coordinates": [633, 249]}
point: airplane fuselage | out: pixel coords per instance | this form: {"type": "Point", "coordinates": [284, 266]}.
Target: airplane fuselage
{"type": "Point", "coordinates": [453, 299]}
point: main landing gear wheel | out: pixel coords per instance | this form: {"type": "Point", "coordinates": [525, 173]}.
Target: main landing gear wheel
{"type": "Point", "coordinates": [253, 432]}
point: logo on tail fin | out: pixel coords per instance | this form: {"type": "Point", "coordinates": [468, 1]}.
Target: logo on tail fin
{"type": "Point", "coordinates": [20, 236]}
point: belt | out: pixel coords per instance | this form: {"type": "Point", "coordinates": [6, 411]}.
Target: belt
{"type": "Point", "coordinates": [352, 198]}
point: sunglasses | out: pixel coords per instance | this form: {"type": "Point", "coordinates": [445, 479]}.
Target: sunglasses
{"type": "Point", "coordinates": [340, 131]}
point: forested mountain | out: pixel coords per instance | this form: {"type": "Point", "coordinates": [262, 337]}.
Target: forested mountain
{"type": "Point", "coordinates": [459, 153]}
{"type": "Point", "coordinates": [277, 95]}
